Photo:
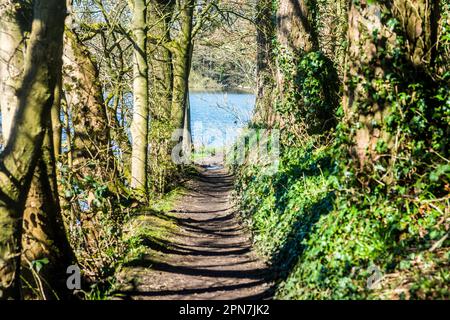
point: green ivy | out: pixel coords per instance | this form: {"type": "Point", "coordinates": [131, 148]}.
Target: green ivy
{"type": "Point", "coordinates": [323, 220]}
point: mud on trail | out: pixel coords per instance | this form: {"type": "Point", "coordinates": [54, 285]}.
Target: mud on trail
{"type": "Point", "coordinates": [210, 257]}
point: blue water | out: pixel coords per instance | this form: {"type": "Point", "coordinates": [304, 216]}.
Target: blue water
{"type": "Point", "coordinates": [217, 118]}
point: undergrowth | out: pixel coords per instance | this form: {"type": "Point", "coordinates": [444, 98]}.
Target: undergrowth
{"type": "Point", "coordinates": [322, 237]}
{"type": "Point", "coordinates": [145, 234]}
{"type": "Point", "coordinates": [333, 229]}
{"type": "Point", "coordinates": [110, 231]}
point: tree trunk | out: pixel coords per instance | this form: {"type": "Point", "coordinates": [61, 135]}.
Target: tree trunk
{"type": "Point", "coordinates": [295, 34]}
{"type": "Point", "coordinates": [161, 59]}
{"type": "Point", "coordinates": [370, 37]}
{"type": "Point", "coordinates": [161, 129]}
{"type": "Point", "coordinates": [140, 122]}
{"type": "Point", "coordinates": [331, 24]}
{"type": "Point", "coordinates": [264, 110]}
{"type": "Point", "coordinates": [56, 120]}
{"type": "Point", "coordinates": [43, 226]}
{"type": "Point", "coordinates": [295, 27]}
{"type": "Point", "coordinates": [44, 233]}
{"type": "Point", "coordinates": [84, 96]}
{"type": "Point", "coordinates": [35, 94]}
{"type": "Point", "coordinates": [182, 51]}
{"type": "Point", "coordinates": [11, 61]}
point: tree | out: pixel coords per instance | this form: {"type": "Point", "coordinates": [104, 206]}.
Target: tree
{"type": "Point", "coordinates": [377, 30]}
{"type": "Point", "coordinates": [161, 87]}
{"type": "Point", "coordinates": [84, 97]}
{"type": "Point", "coordinates": [300, 53]}
{"type": "Point", "coordinates": [160, 13]}
{"type": "Point", "coordinates": [140, 122]}
{"type": "Point", "coordinates": [295, 26]}
{"type": "Point", "coordinates": [35, 89]}
{"type": "Point", "coordinates": [101, 33]}
{"type": "Point", "coordinates": [265, 72]}
{"type": "Point", "coordinates": [181, 48]}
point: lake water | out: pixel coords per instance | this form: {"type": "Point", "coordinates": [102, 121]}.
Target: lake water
{"type": "Point", "coordinates": [217, 118]}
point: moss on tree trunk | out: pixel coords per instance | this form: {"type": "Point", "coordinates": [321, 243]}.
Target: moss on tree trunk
{"type": "Point", "coordinates": [44, 233]}
{"type": "Point", "coordinates": [84, 96]}
{"type": "Point", "coordinates": [18, 161]}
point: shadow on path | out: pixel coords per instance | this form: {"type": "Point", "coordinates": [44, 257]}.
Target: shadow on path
{"type": "Point", "coordinates": [211, 255]}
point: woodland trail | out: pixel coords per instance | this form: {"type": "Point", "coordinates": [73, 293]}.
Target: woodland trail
{"type": "Point", "coordinates": [211, 256]}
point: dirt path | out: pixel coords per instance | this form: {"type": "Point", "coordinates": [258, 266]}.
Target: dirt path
{"type": "Point", "coordinates": [211, 257]}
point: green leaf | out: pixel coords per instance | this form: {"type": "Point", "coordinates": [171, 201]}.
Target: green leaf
{"type": "Point", "coordinates": [440, 171]}
{"type": "Point", "coordinates": [39, 264]}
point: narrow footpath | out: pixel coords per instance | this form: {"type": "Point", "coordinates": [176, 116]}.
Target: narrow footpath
{"type": "Point", "coordinates": [211, 256]}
